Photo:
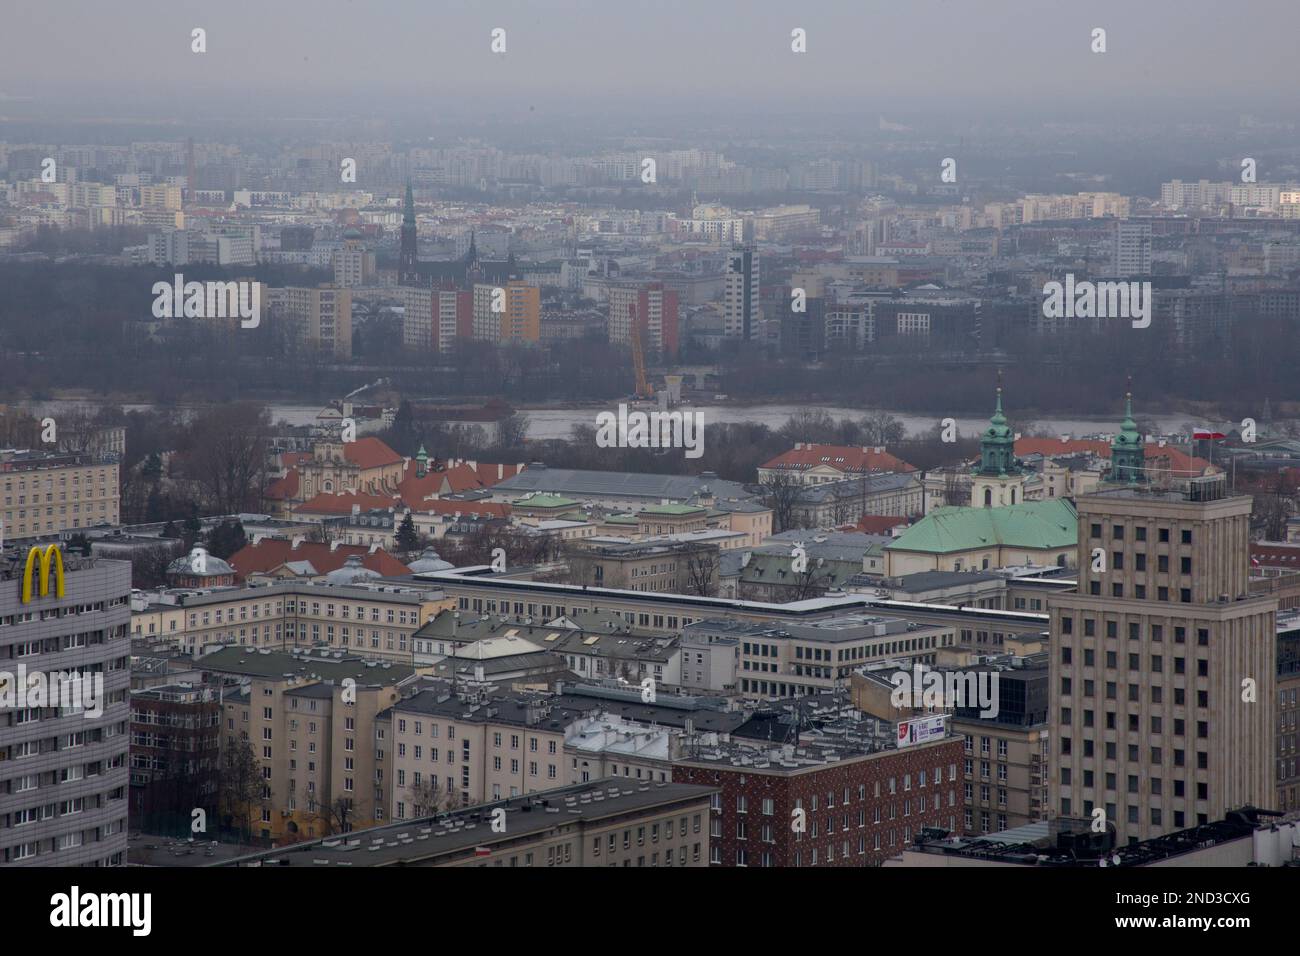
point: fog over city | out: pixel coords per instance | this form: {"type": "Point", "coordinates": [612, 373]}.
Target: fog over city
{"type": "Point", "coordinates": [689, 436]}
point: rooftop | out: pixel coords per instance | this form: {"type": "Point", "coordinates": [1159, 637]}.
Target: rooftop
{"type": "Point", "coordinates": [460, 833]}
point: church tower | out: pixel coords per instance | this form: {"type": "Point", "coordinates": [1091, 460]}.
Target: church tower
{"type": "Point", "coordinates": [1127, 450]}
{"type": "Point", "coordinates": [408, 272]}
{"type": "Point", "coordinates": [999, 480]}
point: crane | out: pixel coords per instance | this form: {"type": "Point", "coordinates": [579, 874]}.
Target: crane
{"type": "Point", "coordinates": [638, 358]}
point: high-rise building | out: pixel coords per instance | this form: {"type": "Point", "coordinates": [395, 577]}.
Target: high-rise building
{"type": "Point", "coordinates": [1131, 250]}
{"type": "Point", "coordinates": [63, 756]}
{"type": "Point", "coordinates": [652, 308]}
{"type": "Point", "coordinates": [507, 313]}
{"type": "Point", "coordinates": [354, 264]}
{"type": "Point", "coordinates": [320, 317]}
{"type": "Point", "coordinates": [740, 313]}
{"type": "Point", "coordinates": [434, 319]}
{"type": "Point", "coordinates": [1163, 665]}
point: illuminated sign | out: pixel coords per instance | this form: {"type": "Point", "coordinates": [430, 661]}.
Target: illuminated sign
{"type": "Point", "coordinates": [51, 555]}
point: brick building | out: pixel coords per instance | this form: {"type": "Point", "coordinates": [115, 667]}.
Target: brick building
{"type": "Point", "coordinates": [863, 801]}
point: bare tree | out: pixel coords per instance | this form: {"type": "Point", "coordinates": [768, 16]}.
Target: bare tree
{"type": "Point", "coordinates": [149, 565]}
{"type": "Point", "coordinates": [882, 428]}
{"type": "Point", "coordinates": [1274, 505]}
{"type": "Point", "coordinates": [228, 455]}
{"type": "Point", "coordinates": [428, 797]}
{"type": "Point", "coordinates": [702, 572]}
{"type": "Point", "coordinates": [955, 490]}
{"type": "Point", "coordinates": [335, 816]}
{"type": "Point", "coordinates": [780, 492]}
{"type": "Point", "coordinates": [512, 431]}
{"type": "Point", "coordinates": [241, 785]}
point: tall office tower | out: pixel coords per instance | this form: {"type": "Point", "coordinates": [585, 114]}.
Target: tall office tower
{"type": "Point", "coordinates": [1162, 664]}
{"type": "Point", "coordinates": [1131, 250]}
{"type": "Point", "coordinates": [740, 295]}
{"type": "Point", "coordinates": [407, 267]}
{"type": "Point", "coordinates": [63, 769]}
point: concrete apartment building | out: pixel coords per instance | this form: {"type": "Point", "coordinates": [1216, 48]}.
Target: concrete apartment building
{"type": "Point", "coordinates": [1163, 664]}
{"type": "Point", "coordinates": [373, 621]}
{"type": "Point", "coordinates": [519, 318]}
{"type": "Point", "coordinates": [45, 493]}
{"type": "Point", "coordinates": [319, 317]}
{"type": "Point", "coordinates": [590, 824]}
{"type": "Point", "coordinates": [310, 719]}
{"type": "Point", "coordinates": [434, 319]}
{"type": "Point", "coordinates": [63, 772]}
{"type": "Point", "coordinates": [651, 309]}
{"type": "Point", "coordinates": [447, 749]}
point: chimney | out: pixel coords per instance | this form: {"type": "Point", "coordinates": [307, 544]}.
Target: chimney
{"type": "Point", "coordinates": [334, 545]}
{"type": "Point", "coordinates": [501, 471]}
{"type": "Point", "coordinates": [373, 548]}
{"type": "Point", "coordinates": [798, 446]}
{"type": "Point", "coordinates": [297, 540]}
{"type": "Point", "coordinates": [356, 510]}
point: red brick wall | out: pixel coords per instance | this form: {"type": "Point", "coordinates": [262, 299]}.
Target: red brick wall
{"type": "Point", "coordinates": [784, 788]}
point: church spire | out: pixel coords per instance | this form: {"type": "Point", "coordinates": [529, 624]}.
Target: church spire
{"type": "Point", "coordinates": [1127, 451]}
{"type": "Point", "coordinates": [408, 268]}
{"type": "Point", "coordinates": [998, 444]}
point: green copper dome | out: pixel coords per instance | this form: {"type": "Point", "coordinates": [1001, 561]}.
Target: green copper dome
{"type": "Point", "coordinates": [998, 445]}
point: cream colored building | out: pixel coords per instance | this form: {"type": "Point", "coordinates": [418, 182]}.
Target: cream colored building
{"type": "Point", "coordinates": [310, 720]}
{"type": "Point", "coordinates": [49, 493]}
{"type": "Point", "coordinates": [1163, 666]}
{"type": "Point", "coordinates": [319, 317]}
{"type": "Point", "coordinates": [369, 622]}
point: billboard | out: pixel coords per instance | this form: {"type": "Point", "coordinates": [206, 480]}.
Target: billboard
{"type": "Point", "coordinates": [919, 730]}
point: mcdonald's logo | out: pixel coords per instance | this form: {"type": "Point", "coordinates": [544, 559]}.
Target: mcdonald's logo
{"type": "Point", "coordinates": [51, 555]}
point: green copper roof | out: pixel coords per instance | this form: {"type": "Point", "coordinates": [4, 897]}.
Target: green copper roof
{"type": "Point", "coordinates": [670, 509]}
{"type": "Point", "coordinates": [544, 501]}
{"type": "Point", "coordinates": [1052, 523]}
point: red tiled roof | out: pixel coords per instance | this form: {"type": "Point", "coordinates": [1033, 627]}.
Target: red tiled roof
{"type": "Point", "coordinates": [370, 452]}
{"type": "Point", "coordinates": [845, 458]}
{"type": "Point", "coordinates": [283, 489]}
{"type": "Point", "coordinates": [878, 524]}
{"type": "Point", "coordinates": [289, 459]}
{"type": "Point", "coordinates": [270, 553]}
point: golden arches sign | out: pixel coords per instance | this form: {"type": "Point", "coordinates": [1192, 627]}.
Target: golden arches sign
{"type": "Point", "coordinates": [51, 555]}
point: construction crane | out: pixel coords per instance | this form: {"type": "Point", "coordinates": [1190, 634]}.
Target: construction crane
{"type": "Point", "coordinates": [638, 359]}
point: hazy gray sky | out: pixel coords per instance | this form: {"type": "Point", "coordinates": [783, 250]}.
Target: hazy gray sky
{"type": "Point", "coordinates": [657, 54]}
